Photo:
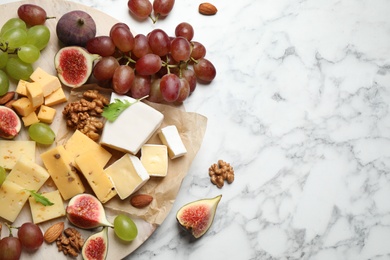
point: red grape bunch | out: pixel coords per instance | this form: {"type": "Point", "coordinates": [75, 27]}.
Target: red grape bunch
{"type": "Point", "coordinates": [164, 68]}
{"type": "Point", "coordinates": [142, 9]}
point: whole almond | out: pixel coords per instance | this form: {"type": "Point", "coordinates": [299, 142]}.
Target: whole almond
{"type": "Point", "coordinates": [53, 232]}
{"type": "Point", "coordinates": [141, 200]}
{"type": "Point", "coordinates": [7, 97]}
{"type": "Point", "coordinates": [207, 9]}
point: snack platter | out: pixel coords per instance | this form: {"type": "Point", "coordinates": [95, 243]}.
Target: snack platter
{"type": "Point", "coordinates": [165, 190]}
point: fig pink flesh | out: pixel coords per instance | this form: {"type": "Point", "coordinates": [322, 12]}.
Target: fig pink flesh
{"type": "Point", "coordinates": [84, 213]}
{"type": "Point", "coordinates": [8, 123]}
{"type": "Point", "coordinates": [196, 218]}
{"type": "Point", "coordinates": [96, 248]}
{"type": "Point", "coordinates": [73, 66]}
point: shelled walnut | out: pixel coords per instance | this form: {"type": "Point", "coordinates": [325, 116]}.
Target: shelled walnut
{"type": "Point", "coordinates": [221, 171]}
{"type": "Point", "coordinates": [70, 242]}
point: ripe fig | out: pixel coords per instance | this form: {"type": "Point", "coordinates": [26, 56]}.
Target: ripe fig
{"type": "Point", "coordinates": [96, 246]}
{"type": "Point", "coordinates": [196, 217]}
{"type": "Point", "coordinates": [86, 211]}
{"type": "Point", "coordinates": [74, 65]}
{"type": "Point", "coordinates": [10, 123]}
{"type": "Point", "coordinates": [76, 28]}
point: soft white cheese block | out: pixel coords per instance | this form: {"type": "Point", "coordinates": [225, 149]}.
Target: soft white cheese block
{"type": "Point", "coordinates": [128, 175]}
{"type": "Point", "coordinates": [171, 138]}
{"type": "Point", "coordinates": [133, 128]}
{"type": "Point", "coordinates": [154, 157]}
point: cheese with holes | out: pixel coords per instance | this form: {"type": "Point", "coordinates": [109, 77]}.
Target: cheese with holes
{"type": "Point", "coordinates": [12, 199]}
{"type": "Point", "coordinates": [23, 106]}
{"type": "Point", "coordinates": [154, 158]}
{"type": "Point", "coordinates": [35, 93]}
{"type": "Point", "coordinates": [79, 144]}
{"type": "Point", "coordinates": [128, 175]}
{"type": "Point", "coordinates": [41, 213]}
{"type": "Point", "coordinates": [11, 150]}
{"type": "Point", "coordinates": [99, 181]}
{"type": "Point", "coordinates": [170, 136]}
{"type": "Point", "coordinates": [61, 169]}
{"type": "Point", "coordinates": [57, 97]}
{"type": "Point", "coordinates": [30, 119]}
{"type": "Point", "coordinates": [49, 83]}
{"type": "Point", "coordinates": [46, 114]}
{"type": "Point", "coordinates": [133, 128]}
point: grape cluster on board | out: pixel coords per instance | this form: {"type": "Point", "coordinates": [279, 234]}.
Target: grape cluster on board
{"type": "Point", "coordinates": [164, 68]}
{"type": "Point", "coordinates": [143, 9]}
{"type": "Point", "coordinates": [21, 41]}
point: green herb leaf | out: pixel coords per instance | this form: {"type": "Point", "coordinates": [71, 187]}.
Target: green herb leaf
{"type": "Point", "coordinates": [114, 109]}
{"type": "Point", "coordinates": [40, 198]}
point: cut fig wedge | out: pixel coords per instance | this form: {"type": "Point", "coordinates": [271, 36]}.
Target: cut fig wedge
{"type": "Point", "coordinates": [96, 246]}
{"type": "Point", "coordinates": [10, 123]}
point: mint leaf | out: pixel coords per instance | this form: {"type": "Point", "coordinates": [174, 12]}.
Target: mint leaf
{"type": "Point", "coordinates": [40, 198]}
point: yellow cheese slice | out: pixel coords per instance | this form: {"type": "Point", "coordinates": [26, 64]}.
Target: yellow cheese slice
{"type": "Point", "coordinates": [41, 213]}
{"type": "Point", "coordinates": [11, 150]}
{"type": "Point", "coordinates": [12, 200]}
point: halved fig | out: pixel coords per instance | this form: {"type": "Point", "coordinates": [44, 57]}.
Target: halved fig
{"type": "Point", "coordinates": [74, 65]}
{"type": "Point", "coordinates": [196, 217]}
{"type": "Point", "coordinates": [10, 123]}
{"type": "Point", "coordinates": [96, 246]}
{"type": "Point", "coordinates": [86, 211]}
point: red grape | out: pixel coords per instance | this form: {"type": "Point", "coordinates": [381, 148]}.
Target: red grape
{"type": "Point", "coordinates": [30, 236]}
{"type": "Point", "coordinates": [159, 42]}
{"type": "Point", "coordinates": [204, 70]}
{"type": "Point", "coordinates": [190, 76]}
{"type": "Point", "coordinates": [185, 30]}
{"type": "Point", "coordinates": [184, 90]}
{"type": "Point", "coordinates": [163, 7]}
{"type": "Point", "coordinates": [32, 14]}
{"type": "Point", "coordinates": [102, 45]}
{"type": "Point", "coordinates": [140, 8]}
{"type": "Point", "coordinates": [122, 38]}
{"type": "Point", "coordinates": [104, 68]}
{"type": "Point", "coordinates": [169, 87]}
{"type": "Point", "coordinates": [141, 86]}
{"type": "Point", "coordinates": [122, 79]}
{"type": "Point", "coordinates": [10, 248]}
{"type": "Point", "coordinates": [148, 64]}
{"type": "Point", "coordinates": [198, 50]}
{"type": "Point", "coordinates": [141, 46]}
{"type": "Point", "coordinates": [180, 49]}
{"type": "Point", "coordinates": [155, 93]}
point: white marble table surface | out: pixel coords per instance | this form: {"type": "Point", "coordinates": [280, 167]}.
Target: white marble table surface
{"type": "Point", "coordinates": [300, 108]}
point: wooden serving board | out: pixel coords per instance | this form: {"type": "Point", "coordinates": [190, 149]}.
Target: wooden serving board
{"type": "Point", "coordinates": [117, 249]}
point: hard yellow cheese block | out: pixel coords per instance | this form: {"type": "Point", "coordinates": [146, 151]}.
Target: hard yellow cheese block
{"type": "Point", "coordinates": [128, 175]}
{"type": "Point", "coordinates": [11, 150]}
{"type": "Point", "coordinates": [23, 106]}
{"type": "Point", "coordinates": [99, 181]}
{"type": "Point", "coordinates": [57, 97]}
{"type": "Point", "coordinates": [12, 200]}
{"type": "Point", "coordinates": [30, 119]}
{"type": "Point", "coordinates": [46, 114]}
{"type": "Point", "coordinates": [21, 88]}
{"type": "Point", "coordinates": [49, 83]}
{"type": "Point", "coordinates": [35, 93]}
{"type": "Point", "coordinates": [62, 171]}
{"type": "Point", "coordinates": [154, 158]}
{"type": "Point", "coordinates": [41, 213]}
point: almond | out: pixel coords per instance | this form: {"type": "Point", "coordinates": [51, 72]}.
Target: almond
{"type": "Point", "coordinates": [207, 9]}
{"type": "Point", "coordinates": [7, 97]}
{"type": "Point", "coordinates": [53, 232]}
{"type": "Point", "coordinates": [141, 200]}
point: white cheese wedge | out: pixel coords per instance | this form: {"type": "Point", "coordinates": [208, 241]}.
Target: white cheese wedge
{"type": "Point", "coordinates": [12, 199]}
{"type": "Point", "coordinates": [128, 175]}
{"type": "Point", "coordinates": [170, 136]}
{"type": "Point", "coordinates": [154, 158]}
{"type": "Point", "coordinates": [11, 150]}
{"type": "Point", "coordinates": [133, 128]}
{"type": "Point", "coordinates": [41, 213]}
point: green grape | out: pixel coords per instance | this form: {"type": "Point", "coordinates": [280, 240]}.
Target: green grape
{"type": "Point", "coordinates": [3, 59]}
{"type": "Point", "coordinates": [41, 133]}
{"type": "Point", "coordinates": [18, 69]}
{"type": "Point", "coordinates": [13, 23]}
{"type": "Point", "coordinates": [3, 174]}
{"type": "Point", "coordinates": [4, 83]}
{"type": "Point", "coordinates": [29, 53]}
{"type": "Point", "coordinates": [38, 35]}
{"type": "Point", "coordinates": [15, 37]}
{"type": "Point", "coordinates": [125, 228]}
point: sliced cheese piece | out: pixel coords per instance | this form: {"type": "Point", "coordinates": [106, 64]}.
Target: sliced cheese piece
{"type": "Point", "coordinates": [57, 97]}
{"type": "Point", "coordinates": [170, 136]}
{"type": "Point", "coordinates": [99, 181]}
{"type": "Point", "coordinates": [35, 93]}
{"type": "Point", "coordinates": [133, 128]}
{"type": "Point", "coordinates": [49, 83]}
{"type": "Point", "coordinates": [79, 144]}
{"type": "Point", "coordinates": [21, 88]}
{"type": "Point", "coordinates": [28, 174]}
{"type": "Point", "coordinates": [128, 175]}
{"type": "Point", "coordinates": [30, 119]}
{"type": "Point", "coordinates": [12, 199]}
{"type": "Point", "coordinates": [62, 171]}
{"type": "Point", "coordinates": [154, 158]}
{"type": "Point", "coordinates": [46, 114]}
{"type": "Point", "coordinates": [23, 106]}
{"type": "Point", "coordinates": [41, 213]}
{"type": "Point", "coordinates": [11, 150]}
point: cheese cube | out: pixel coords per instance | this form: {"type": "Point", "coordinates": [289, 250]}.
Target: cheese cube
{"type": "Point", "coordinates": [23, 106]}
{"type": "Point", "coordinates": [41, 213]}
{"type": "Point", "coordinates": [21, 88]}
{"type": "Point", "coordinates": [99, 181]}
{"type": "Point", "coordinates": [30, 119]}
{"type": "Point", "coordinates": [128, 175]}
{"type": "Point", "coordinates": [27, 174]}
{"type": "Point", "coordinates": [62, 171]}
{"type": "Point", "coordinates": [171, 138]}
{"type": "Point", "coordinates": [48, 82]}
{"type": "Point", "coordinates": [57, 97]}
{"type": "Point", "coordinates": [35, 93]}
{"type": "Point", "coordinates": [11, 150]}
{"type": "Point", "coordinates": [12, 199]}
{"type": "Point", "coordinates": [46, 114]}
{"type": "Point", "coordinates": [133, 128]}
{"type": "Point", "coordinates": [79, 143]}
{"type": "Point", "coordinates": [154, 158]}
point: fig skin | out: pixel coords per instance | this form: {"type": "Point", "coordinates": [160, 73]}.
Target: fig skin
{"type": "Point", "coordinates": [96, 246]}
{"type": "Point", "coordinates": [10, 123]}
{"type": "Point", "coordinates": [76, 28]}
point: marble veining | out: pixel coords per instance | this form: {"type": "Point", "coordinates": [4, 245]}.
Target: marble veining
{"type": "Point", "coordinates": [300, 108]}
